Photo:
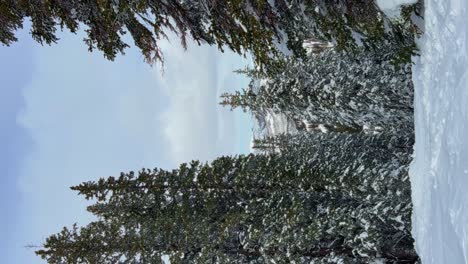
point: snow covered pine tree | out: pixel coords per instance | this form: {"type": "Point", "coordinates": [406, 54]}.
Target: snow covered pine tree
{"type": "Point", "coordinates": [303, 205]}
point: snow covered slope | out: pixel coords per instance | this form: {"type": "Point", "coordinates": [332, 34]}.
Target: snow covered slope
{"type": "Point", "coordinates": [439, 172]}
{"type": "Point", "coordinates": [267, 123]}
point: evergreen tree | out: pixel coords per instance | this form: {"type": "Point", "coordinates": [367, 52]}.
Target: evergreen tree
{"type": "Point", "coordinates": [245, 100]}
{"type": "Point", "coordinates": [271, 144]}
{"type": "Point", "coordinates": [320, 205]}
{"type": "Point", "coordinates": [240, 25]}
{"type": "Point", "coordinates": [344, 91]}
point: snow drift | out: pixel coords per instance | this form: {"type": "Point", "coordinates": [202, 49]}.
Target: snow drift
{"type": "Point", "coordinates": [439, 172]}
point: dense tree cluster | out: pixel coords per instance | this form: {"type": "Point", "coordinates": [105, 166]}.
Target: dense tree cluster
{"type": "Point", "coordinates": [252, 25]}
{"type": "Point", "coordinates": [347, 92]}
{"type": "Point", "coordinates": [324, 205]}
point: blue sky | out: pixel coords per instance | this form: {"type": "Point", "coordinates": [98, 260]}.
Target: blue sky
{"type": "Point", "coordinates": [69, 116]}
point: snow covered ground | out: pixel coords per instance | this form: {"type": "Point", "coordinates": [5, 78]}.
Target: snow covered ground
{"type": "Point", "coordinates": [439, 172]}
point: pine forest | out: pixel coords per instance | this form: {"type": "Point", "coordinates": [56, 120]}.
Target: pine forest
{"type": "Point", "coordinates": [333, 189]}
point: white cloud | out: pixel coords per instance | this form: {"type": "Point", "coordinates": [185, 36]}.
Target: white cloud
{"type": "Point", "coordinates": [197, 128]}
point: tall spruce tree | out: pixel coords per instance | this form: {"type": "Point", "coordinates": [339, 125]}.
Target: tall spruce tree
{"type": "Point", "coordinates": [344, 91]}
{"type": "Point", "coordinates": [239, 25]}
{"type": "Point", "coordinates": [321, 205]}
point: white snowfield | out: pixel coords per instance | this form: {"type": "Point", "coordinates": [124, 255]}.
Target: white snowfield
{"type": "Point", "coordinates": [439, 172]}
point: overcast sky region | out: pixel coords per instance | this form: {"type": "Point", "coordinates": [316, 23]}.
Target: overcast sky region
{"type": "Point", "coordinates": [69, 116]}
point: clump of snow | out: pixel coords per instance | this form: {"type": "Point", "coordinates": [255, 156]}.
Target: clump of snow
{"type": "Point", "coordinates": [392, 7]}
{"type": "Point", "coordinates": [438, 179]}
{"type": "Point", "coordinates": [322, 128]}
